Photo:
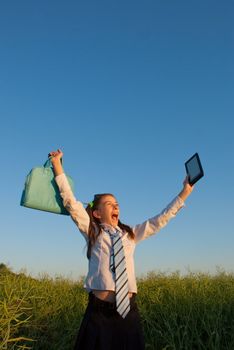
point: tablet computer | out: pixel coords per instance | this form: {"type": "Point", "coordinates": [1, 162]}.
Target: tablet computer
{"type": "Point", "coordinates": [194, 169]}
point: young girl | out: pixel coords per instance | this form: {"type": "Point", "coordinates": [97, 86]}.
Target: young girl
{"type": "Point", "coordinates": [111, 320]}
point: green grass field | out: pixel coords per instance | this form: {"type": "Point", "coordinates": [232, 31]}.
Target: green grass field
{"type": "Point", "coordinates": [194, 312]}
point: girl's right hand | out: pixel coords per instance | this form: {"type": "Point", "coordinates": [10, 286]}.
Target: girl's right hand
{"type": "Point", "coordinates": [55, 156]}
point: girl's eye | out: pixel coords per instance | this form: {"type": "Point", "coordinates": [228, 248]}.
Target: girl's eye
{"type": "Point", "coordinates": [112, 204]}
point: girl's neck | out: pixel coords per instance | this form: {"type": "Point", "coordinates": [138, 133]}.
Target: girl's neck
{"type": "Point", "coordinates": [108, 226]}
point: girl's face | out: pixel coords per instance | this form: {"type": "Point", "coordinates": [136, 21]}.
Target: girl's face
{"type": "Point", "coordinates": [108, 211]}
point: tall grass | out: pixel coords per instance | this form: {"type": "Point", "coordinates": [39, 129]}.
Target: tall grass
{"type": "Point", "coordinates": [193, 312]}
{"type": "Point", "coordinates": [178, 312]}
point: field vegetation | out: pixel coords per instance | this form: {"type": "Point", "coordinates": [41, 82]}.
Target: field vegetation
{"type": "Point", "coordinates": [192, 312]}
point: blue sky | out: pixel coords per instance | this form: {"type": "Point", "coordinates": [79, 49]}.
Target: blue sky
{"type": "Point", "coordinates": [129, 90]}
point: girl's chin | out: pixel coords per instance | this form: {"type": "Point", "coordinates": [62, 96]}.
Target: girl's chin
{"type": "Point", "coordinates": [114, 222]}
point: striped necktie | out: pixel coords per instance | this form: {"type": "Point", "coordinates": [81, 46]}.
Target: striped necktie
{"type": "Point", "coordinates": [118, 266]}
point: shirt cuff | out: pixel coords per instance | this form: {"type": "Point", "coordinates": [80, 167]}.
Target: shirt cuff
{"type": "Point", "coordinates": [178, 203]}
{"type": "Point", "coordinates": [62, 182]}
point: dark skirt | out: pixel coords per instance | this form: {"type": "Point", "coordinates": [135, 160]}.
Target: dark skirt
{"type": "Point", "coordinates": [102, 328]}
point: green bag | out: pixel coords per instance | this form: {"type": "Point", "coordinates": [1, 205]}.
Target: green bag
{"type": "Point", "coordinates": [41, 191]}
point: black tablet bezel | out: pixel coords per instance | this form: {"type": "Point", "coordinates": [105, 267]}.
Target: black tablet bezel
{"type": "Point", "coordinates": [201, 173]}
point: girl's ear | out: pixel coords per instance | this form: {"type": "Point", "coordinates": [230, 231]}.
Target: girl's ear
{"type": "Point", "coordinates": [96, 214]}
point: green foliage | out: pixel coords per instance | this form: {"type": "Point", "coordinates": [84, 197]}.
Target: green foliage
{"type": "Point", "coordinates": [40, 314]}
{"type": "Point", "coordinates": [193, 312]}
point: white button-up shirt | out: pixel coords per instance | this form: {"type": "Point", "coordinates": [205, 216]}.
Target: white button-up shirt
{"type": "Point", "coordinates": [99, 275]}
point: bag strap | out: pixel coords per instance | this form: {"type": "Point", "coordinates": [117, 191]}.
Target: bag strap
{"type": "Point", "coordinates": [48, 162]}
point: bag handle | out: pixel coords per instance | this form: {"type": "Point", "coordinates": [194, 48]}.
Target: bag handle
{"type": "Point", "coordinates": [48, 162]}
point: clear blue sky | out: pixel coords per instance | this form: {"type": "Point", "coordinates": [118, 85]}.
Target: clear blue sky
{"type": "Point", "coordinates": [129, 90]}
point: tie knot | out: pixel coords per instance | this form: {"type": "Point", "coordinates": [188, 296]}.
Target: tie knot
{"type": "Point", "coordinates": [113, 232]}
{"type": "Point", "coordinates": [117, 233]}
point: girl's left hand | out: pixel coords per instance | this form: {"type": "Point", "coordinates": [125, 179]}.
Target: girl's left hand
{"type": "Point", "coordinates": [186, 190]}
{"type": "Point", "coordinates": [187, 186]}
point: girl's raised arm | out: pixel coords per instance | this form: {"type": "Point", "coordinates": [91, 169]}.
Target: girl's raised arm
{"type": "Point", "coordinates": [154, 224]}
{"type": "Point", "coordinates": [187, 189]}
{"type": "Point", "coordinates": [75, 208]}
{"type": "Point", "coordinates": [56, 161]}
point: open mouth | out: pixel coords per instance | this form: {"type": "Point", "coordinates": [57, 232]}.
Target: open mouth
{"type": "Point", "coordinates": [115, 216]}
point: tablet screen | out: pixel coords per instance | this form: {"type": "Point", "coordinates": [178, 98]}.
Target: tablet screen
{"type": "Point", "coordinates": [194, 169]}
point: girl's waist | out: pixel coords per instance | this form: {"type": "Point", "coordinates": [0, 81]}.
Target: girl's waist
{"type": "Point", "coordinates": [108, 295]}
{"type": "Point", "coordinates": [106, 306]}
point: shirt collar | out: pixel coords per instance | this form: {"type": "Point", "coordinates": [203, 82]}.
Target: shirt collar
{"type": "Point", "coordinates": [110, 229]}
